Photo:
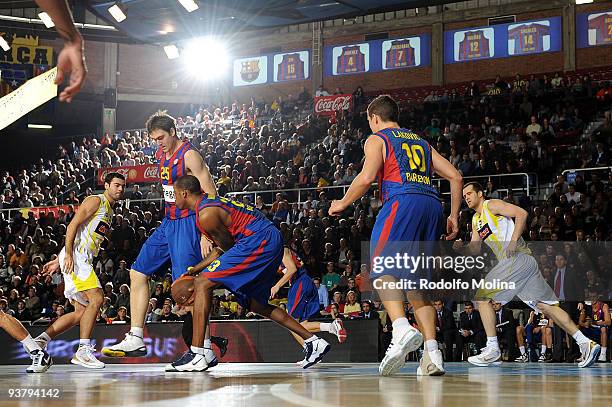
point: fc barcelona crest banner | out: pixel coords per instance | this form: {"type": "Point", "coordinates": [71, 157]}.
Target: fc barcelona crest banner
{"type": "Point", "coordinates": [503, 40]}
{"type": "Point", "coordinates": [251, 71]}
{"type": "Point", "coordinates": [594, 29]}
{"type": "Point", "coordinates": [291, 66]}
{"type": "Point", "coordinates": [377, 55]}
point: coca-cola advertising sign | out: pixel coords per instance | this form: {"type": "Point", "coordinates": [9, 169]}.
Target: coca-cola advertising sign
{"type": "Point", "coordinates": [136, 173]}
{"type": "Point", "coordinates": [327, 105]}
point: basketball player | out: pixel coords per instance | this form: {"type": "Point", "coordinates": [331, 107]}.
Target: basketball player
{"type": "Point", "coordinates": [493, 223]}
{"type": "Point", "coordinates": [71, 58]}
{"type": "Point", "coordinates": [411, 212]}
{"type": "Point", "coordinates": [303, 299]}
{"type": "Point", "coordinates": [41, 361]}
{"type": "Point", "coordinates": [84, 236]}
{"type": "Point", "coordinates": [248, 250]}
{"type": "Point", "coordinates": [176, 240]}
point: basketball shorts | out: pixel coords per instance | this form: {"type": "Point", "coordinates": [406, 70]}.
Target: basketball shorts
{"type": "Point", "coordinates": [407, 223]}
{"type": "Point", "coordinates": [249, 268]}
{"type": "Point", "coordinates": [83, 277]}
{"type": "Point", "coordinates": [303, 298]}
{"type": "Point", "coordinates": [521, 271]}
{"type": "Point", "coordinates": [175, 242]}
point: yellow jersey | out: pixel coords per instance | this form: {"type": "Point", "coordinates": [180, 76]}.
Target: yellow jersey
{"type": "Point", "coordinates": [90, 235]}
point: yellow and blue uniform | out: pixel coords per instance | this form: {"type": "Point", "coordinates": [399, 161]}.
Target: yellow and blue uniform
{"type": "Point", "coordinates": [411, 210]}
{"type": "Point", "coordinates": [249, 267]}
{"type": "Point", "coordinates": [87, 242]}
{"type": "Point", "coordinates": [176, 241]}
{"type": "Point", "coordinates": [303, 297]}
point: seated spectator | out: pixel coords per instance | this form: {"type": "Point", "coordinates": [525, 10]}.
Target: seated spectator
{"type": "Point", "coordinates": [323, 293]}
{"type": "Point", "coordinates": [107, 310]}
{"type": "Point", "coordinates": [352, 306]}
{"type": "Point", "coordinates": [123, 299]}
{"type": "Point", "coordinates": [506, 329]}
{"type": "Point", "coordinates": [167, 315]}
{"type": "Point", "coordinates": [446, 330]}
{"type": "Point", "coordinates": [121, 318]}
{"type": "Point", "coordinates": [595, 322]}
{"type": "Point", "coordinates": [152, 315]}
{"type": "Point", "coordinates": [338, 301]}
{"type": "Point", "coordinates": [331, 279]}
{"type": "Point", "coordinates": [22, 313]}
{"type": "Point", "coordinates": [367, 312]}
{"type": "Point", "coordinates": [471, 329]}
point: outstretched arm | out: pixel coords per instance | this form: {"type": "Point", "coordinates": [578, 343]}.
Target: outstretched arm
{"type": "Point", "coordinates": [446, 170]}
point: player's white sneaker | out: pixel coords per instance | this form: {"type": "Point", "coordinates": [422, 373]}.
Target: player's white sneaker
{"type": "Point", "coordinates": [130, 346]}
{"type": "Point", "coordinates": [85, 357]}
{"type": "Point", "coordinates": [522, 359]}
{"type": "Point", "coordinates": [314, 352]}
{"type": "Point", "coordinates": [431, 364]}
{"type": "Point", "coordinates": [189, 362]}
{"type": "Point", "coordinates": [589, 351]}
{"type": "Point", "coordinates": [41, 342]}
{"type": "Point", "coordinates": [395, 357]}
{"type": "Point", "coordinates": [337, 328]}
{"type": "Point", "coordinates": [488, 356]}
{"type": "Point", "coordinates": [41, 361]}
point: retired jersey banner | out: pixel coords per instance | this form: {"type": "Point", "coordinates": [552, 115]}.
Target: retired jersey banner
{"type": "Point", "coordinates": [136, 173]}
{"type": "Point", "coordinates": [251, 71]}
{"type": "Point", "coordinates": [377, 56]}
{"type": "Point", "coordinates": [328, 105]}
{"type": "Point", "coordinates": [503, 40]}
{"type": "Point", "coordinates": [291, 66]}
{"type": "Point", "coordinates": [594, 29]}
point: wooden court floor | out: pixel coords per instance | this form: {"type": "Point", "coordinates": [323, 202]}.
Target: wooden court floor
{"type": "Point", "coordinates": [357, 385]}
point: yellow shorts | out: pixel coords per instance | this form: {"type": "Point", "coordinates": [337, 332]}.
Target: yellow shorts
{"type": "Point", "coordinates": [82, 278]}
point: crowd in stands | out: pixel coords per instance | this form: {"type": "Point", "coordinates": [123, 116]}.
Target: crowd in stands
{"type": "Point", "coordinates": [536, 126]}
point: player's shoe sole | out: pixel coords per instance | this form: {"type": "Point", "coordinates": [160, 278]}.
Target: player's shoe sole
{"type": "Point", "coordinates": [78, 362]}
{"type": "Point", "coordinates": [112, 353]}
{"type": "Point", "coordinates": [409, 342]}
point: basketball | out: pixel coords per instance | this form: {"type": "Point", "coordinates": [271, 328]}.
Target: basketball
{"type": "Point", "coordinates": [182, 290]}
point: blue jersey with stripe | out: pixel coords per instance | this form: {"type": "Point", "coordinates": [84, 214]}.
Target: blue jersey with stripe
{"type": "Point", "coordinates": [408, 165]}
{"type": "Point", "coordinates": [170, 169]}
{"type": "Point", "coordinates": [245, 219]}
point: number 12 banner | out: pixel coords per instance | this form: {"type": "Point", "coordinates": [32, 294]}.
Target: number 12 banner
{"type": "Point", "coordinates": [504, 40]}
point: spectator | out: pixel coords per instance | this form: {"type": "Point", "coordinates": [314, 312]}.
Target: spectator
{"type": "Point", "coordinates": [323, 293]}
{"type": "Point", "coordinates": [446, 329]}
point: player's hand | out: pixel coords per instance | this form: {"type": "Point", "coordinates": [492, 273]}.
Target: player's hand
{"type": "Point", "coordinates": [206, 245]}
{"type": "Point", "coordinates": [193, 271]}
{"type": "Point", "coordinates": [511, 248]}
{"type": "Point", "coordinates": [51, 267]}
{"type": "Point", "coordinates": [71, 60]}
{"type": "Point", "coordinates": [336, 208]}
{"type": "Point", "coordinates": [457, 245]}
{"type": "Point", "coordinates": [68, 264]}
{"type": "Point", "coordinates": [452, 227]}
{"type": "Point", "coordinates": [273, 292]}
{"type": "Point", "coordinates": [580, 306]}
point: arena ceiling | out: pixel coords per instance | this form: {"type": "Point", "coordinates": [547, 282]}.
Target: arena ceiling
{"type": "Point", "coordinates": [158, 21]}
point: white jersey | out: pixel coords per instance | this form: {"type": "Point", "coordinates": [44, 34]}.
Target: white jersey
{"type": "Point", "coordinates": [496, 231]}
{"type": "Point", "coordinates": [90, 235]}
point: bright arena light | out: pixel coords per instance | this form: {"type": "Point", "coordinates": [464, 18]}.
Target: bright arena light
{"type": "Point", "coordinates": [206, 58]}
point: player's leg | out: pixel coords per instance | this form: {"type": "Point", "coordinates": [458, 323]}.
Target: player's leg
{"type": "Point", "coordinates": [153, 256]}
{"type": "Point", "coordinates": [314, 347]}
{"type": "Point", "coordinates": [84, 355]}
{"type": "Point", "coordinates": [431, 364]}
{"type": "Point", "coordinates": [589, 349]}
{"type": "Point", "coordinates": [61, 325]}
{"type": "Point", "coordinates": [491, 354]}
{"type": "Point", "coordinates": [195, 359]}
{"type": "Point", "coordinates": [41, 361]}
{"type": "Point", "coordinates": [603, 341]}
{"type": "Point", "coordinates": [520, 340]}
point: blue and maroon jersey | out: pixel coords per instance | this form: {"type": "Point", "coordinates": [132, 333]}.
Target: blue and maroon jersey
{"type": "Point", "coordinates": [408, 165]}
{"type": "Point", "coordinates": [528, 38]}
{"type": "Point", "coordinates": [351, 60]}
{"type": "Point", "coordinates": [603, 28]}
{"type": "Point", "coordinates": [170, 169]}
{"type": "Point", "coordinates": [290, 68]}
{"type": "Point", "coordinates": [245, 219]}
{"type": "Point", "coordinates": [401, 54]}
{"type": "Point", "coordinates": [474, 46]}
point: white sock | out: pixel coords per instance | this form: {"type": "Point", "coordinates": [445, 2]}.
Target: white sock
{"type": "Point", "coordinates": [207, 343]}
{"type": "Point", "coordinates": [431, 345]}
{"type": "Point", "coordinates": [325, 326]}
{"type": "Point", "coordinates": [602, 355]}
{"type": "Point", "coordinates": [136, 331]}
{"type": "Point", "coordinates": [44, 337]}
{"type": "Point", "coordinates": [29, 344]}
{"type": "Point", "coordinates": [522, 349]}
{"type": "Point", "coordinates": [492, 342]}
{"type": "Point", "coordinates": [197, 351]}
{"type": "Point", "coordinates": [83, 342]}
{"type": "Point", "coordinates": [311, 339]}
{"type": "Point", "coordinates": [543, 349]}
{"type": "Point", "coordinates": [580, 338]}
